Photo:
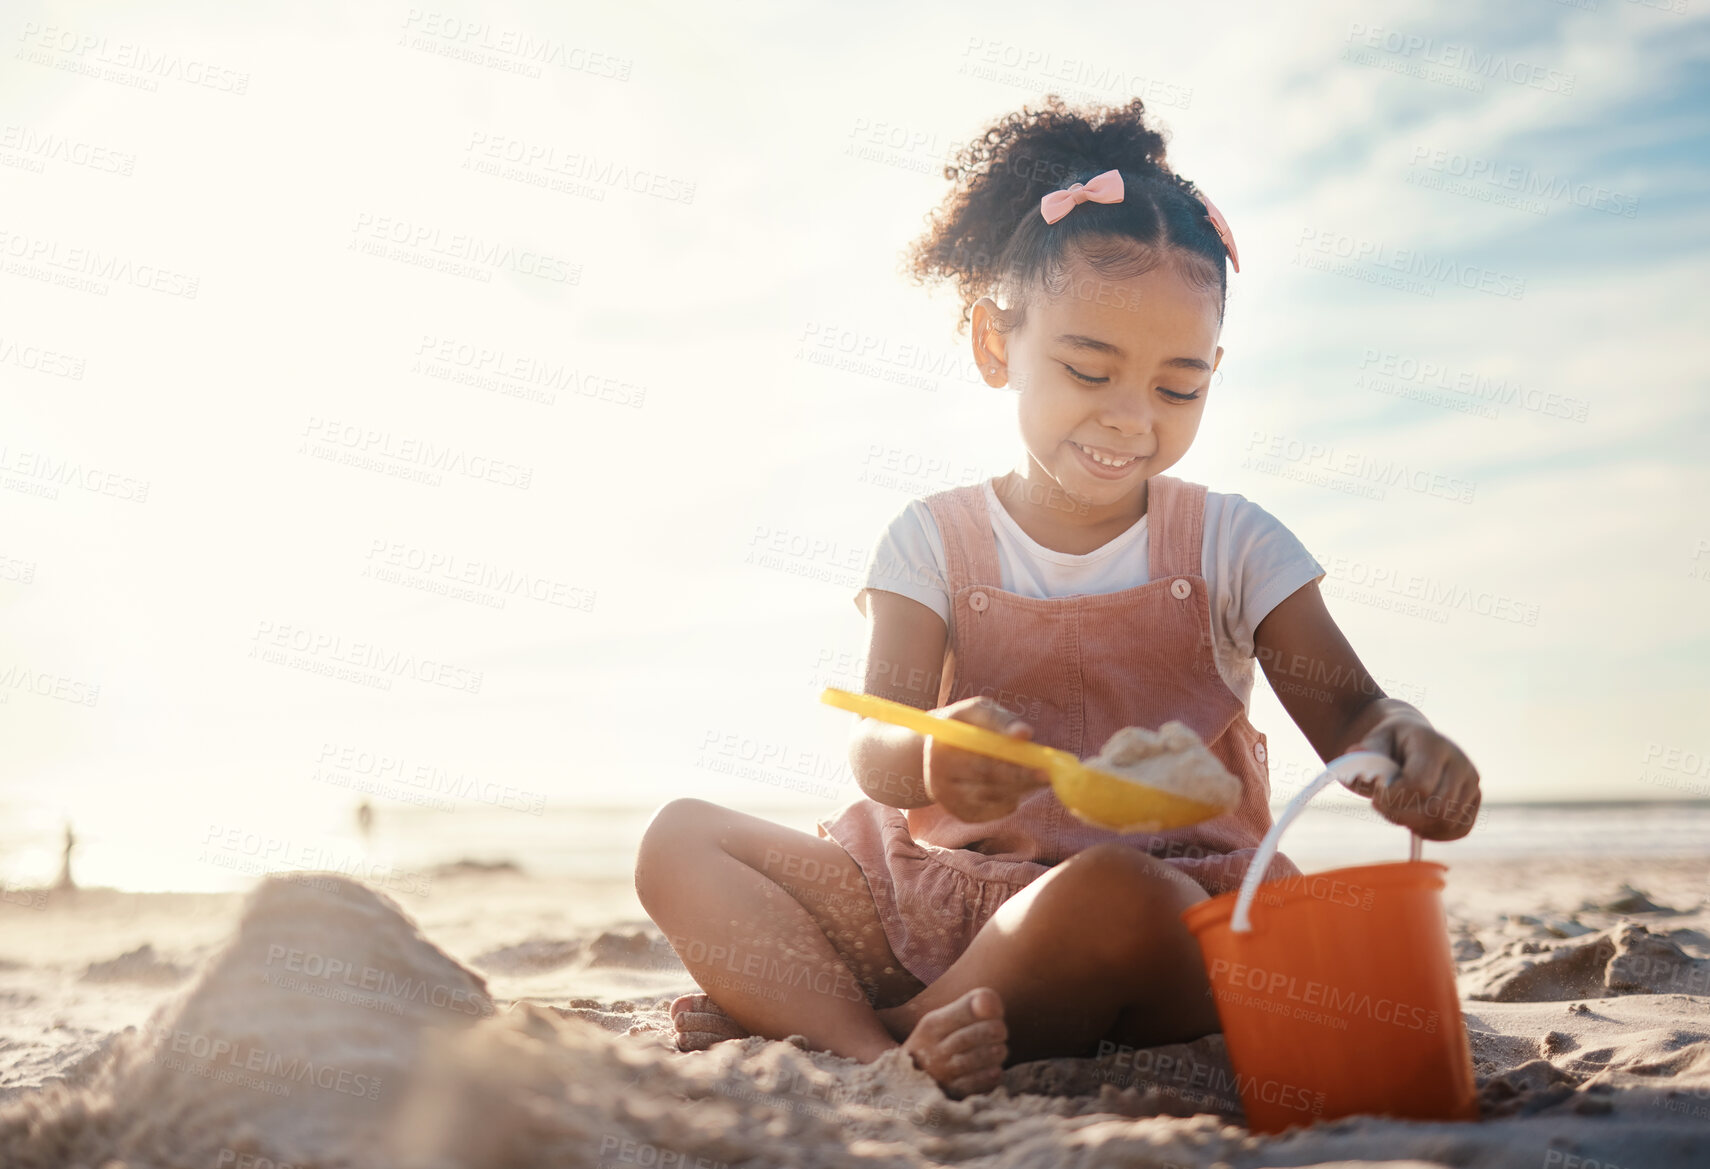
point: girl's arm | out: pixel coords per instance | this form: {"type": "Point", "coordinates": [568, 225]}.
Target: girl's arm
{"type": "Point", "coordinates": [905, 656]}
{"type": "Point", "coordinates": [1339, 708]}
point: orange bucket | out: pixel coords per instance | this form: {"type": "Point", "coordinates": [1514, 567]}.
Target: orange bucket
{"type": "Point", "coordinates": [1340, 999]}
{"type": "Point", "coordinates": [1337, 990]}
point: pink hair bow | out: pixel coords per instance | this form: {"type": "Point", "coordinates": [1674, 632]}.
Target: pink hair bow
{"type": "Point", "coordinates": [1223, 232]}
{"type": "Point", "coordinates": [1105, 188]}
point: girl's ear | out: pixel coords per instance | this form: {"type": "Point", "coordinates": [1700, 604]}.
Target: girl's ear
{"type": "Point", "coordinates": [990, 349]}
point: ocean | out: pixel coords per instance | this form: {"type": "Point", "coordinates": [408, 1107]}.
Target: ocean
{"type": "Point", "coordinates": [598, 843]}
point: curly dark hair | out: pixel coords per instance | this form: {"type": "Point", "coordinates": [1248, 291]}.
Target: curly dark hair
{"type": "Point", "coordinates": [989, 238]}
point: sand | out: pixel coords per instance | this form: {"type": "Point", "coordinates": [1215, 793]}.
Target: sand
{"type": "Point", "coordinates": [318, 1023]}
{"type": "Point", "coordinates": [1171, 759]}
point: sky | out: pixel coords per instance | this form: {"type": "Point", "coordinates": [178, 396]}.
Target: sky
{"type": "Point", "coordinates": [502, 399]}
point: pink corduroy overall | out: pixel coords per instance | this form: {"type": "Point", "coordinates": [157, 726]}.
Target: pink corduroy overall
{"type": "Point", "coordinates": [1078, 669]}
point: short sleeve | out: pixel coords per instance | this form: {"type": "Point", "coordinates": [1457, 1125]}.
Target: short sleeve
{"type": "Point", "coordinates": [909, 560]}
{"type": "Point", "coordinates": [1259, 564]}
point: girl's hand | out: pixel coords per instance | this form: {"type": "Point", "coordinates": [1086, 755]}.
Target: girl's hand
{"type": "Point", "coordinates": [1436, 792]}
{"type": "Point", "coordinates": [977, 787]}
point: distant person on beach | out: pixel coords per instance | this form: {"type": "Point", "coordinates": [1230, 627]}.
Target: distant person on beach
{"type": "Point", "coordinates": [365, 823]}
{"type": "Point", "coordinates": [958, 909]}
{"type": "Point", "coordinates": [64, 883]}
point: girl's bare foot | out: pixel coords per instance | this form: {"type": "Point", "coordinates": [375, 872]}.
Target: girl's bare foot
{"type": "Point", "coordinates": [700, 1023]}
{"type": "Point", "coordinates": [962, 1045]}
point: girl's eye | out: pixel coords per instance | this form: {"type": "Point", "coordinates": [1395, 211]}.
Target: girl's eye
{"type": "Point", "coordinates": [1089, 380]}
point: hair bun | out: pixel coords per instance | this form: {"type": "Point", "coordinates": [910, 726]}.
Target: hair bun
{"type": "Point", "coordinates": [1000, 177]}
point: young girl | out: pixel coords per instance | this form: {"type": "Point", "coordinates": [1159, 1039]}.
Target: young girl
{"type": "Point", "coordinates": [958, 910]}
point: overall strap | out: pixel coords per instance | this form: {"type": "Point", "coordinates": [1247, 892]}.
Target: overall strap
{"type": "Point", "coordinates": [965, 525]}
{"type": "Point", "coordinates": [1175, 518]}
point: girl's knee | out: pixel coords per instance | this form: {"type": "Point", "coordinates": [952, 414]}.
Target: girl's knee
{"type": "Point", "coordinates": [1124, 887]}
{"type": "Point", "coordinates": [677, 821]}
{"type": "Point", "coordinates": [670, 835]}
{"type": "Point", "coordinates": [1122, 869]}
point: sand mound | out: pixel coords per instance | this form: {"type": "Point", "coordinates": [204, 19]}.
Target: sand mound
{"type": "Point", "coordinates": [1627, 900]}
{"type": "Point", "coordinates": [637, 949]}
{"type": "Point", "coordinates": [468, 867]}
{"type": "Point", "coordinates": [139, 965]}
{"type": "Point", "coordinates": [533, 956]}
{"type": "Point", "coordinates": [294, 1042]}
{"type": "Point", "coordinates": [1623, 959]}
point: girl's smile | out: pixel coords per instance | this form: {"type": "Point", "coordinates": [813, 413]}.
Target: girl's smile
{"type": "Point", "coordinates": [1104, 463]}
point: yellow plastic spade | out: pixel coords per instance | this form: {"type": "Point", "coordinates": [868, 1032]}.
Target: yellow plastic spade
{"type": "Point", "coordinates": [1098, 797]}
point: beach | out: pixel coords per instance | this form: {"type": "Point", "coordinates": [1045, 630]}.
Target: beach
{"type": "Point", "coordinates": [518, 1019]}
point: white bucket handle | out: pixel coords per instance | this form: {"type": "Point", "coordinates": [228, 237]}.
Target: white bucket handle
{"type": "Point", "coordinates": [1350, 769]}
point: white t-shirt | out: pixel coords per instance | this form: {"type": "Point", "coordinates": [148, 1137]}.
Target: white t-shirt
{"type": "Point", "coordinates": [1249, 560]}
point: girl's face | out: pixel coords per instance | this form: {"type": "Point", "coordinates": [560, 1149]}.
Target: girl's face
{"type": "Point", "coordinates": [1112, 377]}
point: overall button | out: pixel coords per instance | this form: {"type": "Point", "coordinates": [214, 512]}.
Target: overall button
{"type": "Point", "coordinates": [1259, 752]}
{"type": "Point", "coordinates": [1180, 589]}
{"type": "Point", "coordinates": [977, 601]}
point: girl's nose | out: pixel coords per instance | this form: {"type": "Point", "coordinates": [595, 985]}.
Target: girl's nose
{"type": "Point", "coordinates": [1128, 413]}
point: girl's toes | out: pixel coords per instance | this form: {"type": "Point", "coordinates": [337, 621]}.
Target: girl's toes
{"type": "Point", "coordinates": [962, 1045]}
{"type": "Point", "coordinates": [697, 1040]}
{"type": "Point", "coordinates": [974, 1085]}
{"type": "Point", "coordinates": [700, 1022]}
{"type": "Point", "coordinates": [699, 1003]}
